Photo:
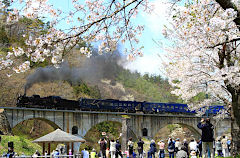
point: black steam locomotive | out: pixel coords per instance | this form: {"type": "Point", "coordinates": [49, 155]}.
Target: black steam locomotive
{"type": "Point", "coordinates": [85, 104]}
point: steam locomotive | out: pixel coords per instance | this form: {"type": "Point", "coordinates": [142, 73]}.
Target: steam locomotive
{"type": "Point", "coordinates": [111, 105]}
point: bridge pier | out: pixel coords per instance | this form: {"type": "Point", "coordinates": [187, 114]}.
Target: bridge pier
{"type": "Point", "coordinates": [124, 134]}
{"type": "Point", "coordinates": [5, 128]}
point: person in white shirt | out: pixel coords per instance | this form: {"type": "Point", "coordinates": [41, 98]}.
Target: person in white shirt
{"type": "Point", "coordinates": [112, 148]}
{"type": "Point", "coordinates": [193, 145]}
{"type": "Point", "coordinates": [224, 147]}
{"type": "Point", "coordinates": [177, 145]}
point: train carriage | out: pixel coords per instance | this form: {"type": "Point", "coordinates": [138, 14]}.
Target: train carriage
{"type": "Point", "coordinates": [111, 105]}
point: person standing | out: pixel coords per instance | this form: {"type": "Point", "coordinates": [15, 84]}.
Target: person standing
{"type": "Point", "coordinates": [70, 153]}
{"type": "Point", "coordinates": [103, 147]}
{"type": "Point", "coordinates": [224, 147]}
{"type": "Point", "coordinates": [207, 137]}
{"type": "Point", "coordinates": [161, 145]}
{"type": "Point", "coordinates": [185, 144]}
{"type": "Point", "coordinates": [200, 147]}
{"type": "Point", "coordinates": [85, 153]}
{"type": "Point", "coordinates": [107, 153]}
{"type": "Point", "coordinates": [130, 147]}
{"type": "Point", "coordinates": [112, 148]}
{"type": "Point", "coordinates": [171, 148]}
{"type": "Point", "coordinates": [56, 153]}
{"type": "Point", "coordinates": [177, 145]}
{"type": "Point", "coordinates": [229, 146]}
{"type": "Point", "coordinates": [219, 147]}
{"type": "Point", "coordinates": [93, 153]}
{"type": "Point", "coordinates": [193, 145]}
{"type": "Point", "coordinates": [118, 149]}
{"type": "Point", "coordinates": [140, 148]}
{"type": "Point", "coordinates": [38, 153]}
{"type": "Point", "coordinates": [153, 149]}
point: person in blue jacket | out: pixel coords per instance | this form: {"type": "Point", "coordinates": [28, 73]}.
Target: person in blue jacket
{"type": "Point", "coordinates": [207, 137]}
{"type": "Point", "coordinates": [153, 149]}
{"type": "Point", "coordinates": [171, 148]}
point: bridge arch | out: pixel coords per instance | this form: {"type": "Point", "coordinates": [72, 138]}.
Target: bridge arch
{"type": "Point", "coordinates": [109, 129]}
{"type": "Point", "coordinates": [34, 128]}
{"type": "Point", "coordinates": [190, 123]}
{"type": "Point", "coordinates": [153, 123]}
{"type": "Point", "coordinates": [174, 131]}
{"type": "Point", "coordinates": [54, 125]}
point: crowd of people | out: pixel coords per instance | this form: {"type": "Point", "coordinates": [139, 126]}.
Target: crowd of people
{"type": "Point", "coordinates": [171, 148]}
{"type": "Point", "coordinates": [204, 147]}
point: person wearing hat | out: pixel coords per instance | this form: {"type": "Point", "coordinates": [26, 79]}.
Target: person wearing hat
{"type": "Point", "coordinates": [93, 153]}
{"type": "Point", "coordinates": [153, 149]}
{"type": "Point", "coordinates": [161, 145]}
{"type": "Point", "coordinates": [171, 148]}
{"type": "Point", "coordinates": [177, 145]}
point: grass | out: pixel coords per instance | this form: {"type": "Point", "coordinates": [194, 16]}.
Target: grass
{"type": "Point", "coordinates": [20, 145]}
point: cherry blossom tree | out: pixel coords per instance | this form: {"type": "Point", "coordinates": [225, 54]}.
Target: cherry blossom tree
{"type": "Point", "coordinates": [102, 21]}
{"type": "Point", "coordinates": [205, 58]}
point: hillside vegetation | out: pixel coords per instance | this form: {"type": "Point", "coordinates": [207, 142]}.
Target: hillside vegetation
{"type": "Point", "coordinates": [150, 88]}
{"type": "Point", "coordinates": [21, 145]}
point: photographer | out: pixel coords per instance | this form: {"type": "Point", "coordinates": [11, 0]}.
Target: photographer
{"type": "Point", "coordinates": [207, 137]}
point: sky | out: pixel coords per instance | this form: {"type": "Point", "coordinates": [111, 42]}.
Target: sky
{"type": "Point", "coordinates": [150, 62]}
{"type": "Point", "coordinates": [152, 35]}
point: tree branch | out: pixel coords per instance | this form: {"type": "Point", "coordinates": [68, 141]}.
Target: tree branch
{"type": "Point", "coordinates": [220, 44]}
{"type": "Point", "coordinates": [88, 26]}
{"type": "Point", "coordinates": [225, 4]}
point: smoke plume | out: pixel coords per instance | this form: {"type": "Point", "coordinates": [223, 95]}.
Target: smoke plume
{"type": "Point", "coordinates": [93, 70]}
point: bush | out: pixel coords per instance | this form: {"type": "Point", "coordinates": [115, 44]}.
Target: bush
{"type": "Point", "coordinates": [83, 88]}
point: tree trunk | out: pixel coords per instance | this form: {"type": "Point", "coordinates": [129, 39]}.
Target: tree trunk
{"type": "Point", "coordinates": [235, 124]}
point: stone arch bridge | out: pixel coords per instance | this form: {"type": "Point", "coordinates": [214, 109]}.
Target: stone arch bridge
{"type": "Point", "coordinates": [138, 123]}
